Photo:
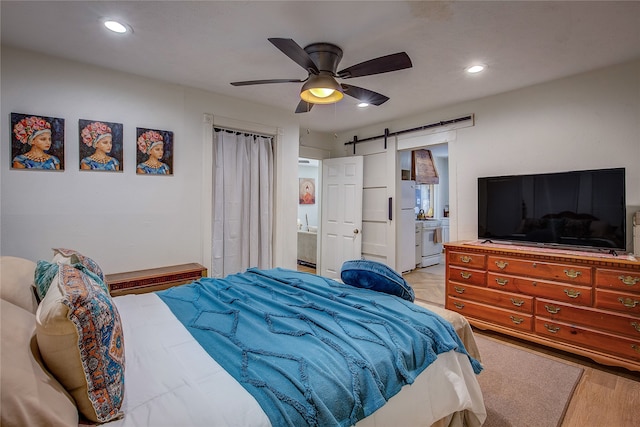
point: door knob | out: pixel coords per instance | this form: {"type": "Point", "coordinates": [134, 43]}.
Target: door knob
{"type": "Point", "coordinates": [356, 231]}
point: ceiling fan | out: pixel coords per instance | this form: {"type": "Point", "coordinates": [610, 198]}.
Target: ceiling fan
{"type": "Point", "coordinates": [321, 60]}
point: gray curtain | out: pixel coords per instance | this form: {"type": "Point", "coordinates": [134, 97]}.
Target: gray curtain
{"type": "Point", "coordinates": [242, 202]}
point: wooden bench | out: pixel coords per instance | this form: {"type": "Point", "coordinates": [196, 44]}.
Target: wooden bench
{"type": "Point", "coordinates": [153, 279]}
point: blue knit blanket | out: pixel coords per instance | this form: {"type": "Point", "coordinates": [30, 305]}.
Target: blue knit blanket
{"type": "Point", "coordinates": [312, 351]}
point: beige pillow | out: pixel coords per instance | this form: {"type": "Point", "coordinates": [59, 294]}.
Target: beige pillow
{"type": "Point", "coordinates": [30, 396]}
{"type": "Point", "coordinates": [80, 338]}
{"type": "Point", "coordinates": [16, 282]}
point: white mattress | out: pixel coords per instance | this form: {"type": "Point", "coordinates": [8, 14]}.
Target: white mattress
{"type": "Point", "coordinates": [170, 380]}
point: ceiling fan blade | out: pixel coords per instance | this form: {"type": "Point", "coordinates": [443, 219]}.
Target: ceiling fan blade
{"type": "Point", "coordinates": [262, 82]}
{"type": "Point", "coordinates": [296, 53]}
{"type": "Point", "coordinates": [364, 95]}
{"type": "Point", "coordinates": [304, 107]}
{"type": "Point", "coordinates": [383, 64]}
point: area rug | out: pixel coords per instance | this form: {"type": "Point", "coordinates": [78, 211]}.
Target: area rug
{"type": "Point", "coordinates": [524, 389]}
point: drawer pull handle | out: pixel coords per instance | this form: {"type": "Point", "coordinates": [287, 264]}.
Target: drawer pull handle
{"type": "Point", "coordinates": [459, 289]}
{"type": "Point", "coordinates": [502, 264]}
{"type": "Point", "coordinates": [572, 273]}
{"type": "Point", "coordinates": [465, 275]}
{"type": "Point", "coordinates": [635, 348]}
{"type": "Point", "coordinates": [552, 309]}
{"type": "Point", "coordinates": [466, 259]}
{"type": "Point", "coordinates": [517, 302]}
{"type": "Point", "coordinates": [636, 326]}
{"type": "Point", "coordinates": [459, 305]}
{"type": "Point", "coordinates": [572, 293]}
{"type": "Point", "coordinates": [628, 280]}
{"type": "Point", "coordinates": [552, 329]}
{"type": "Point", "coordinates": [516, 320]}
{"type": "Point", "coordinates": [502, 282]}
{"type": "Point", "coordinates": [628, 302]}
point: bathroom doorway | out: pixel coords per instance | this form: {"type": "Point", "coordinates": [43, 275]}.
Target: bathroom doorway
{"type": "Point", "coordinates": [308, 213]}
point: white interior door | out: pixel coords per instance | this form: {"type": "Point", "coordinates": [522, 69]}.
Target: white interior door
{"type": "Point", "coordinates": [341, 228]}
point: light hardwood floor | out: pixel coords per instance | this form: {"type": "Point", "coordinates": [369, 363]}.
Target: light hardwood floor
{"type": "Point", "coordinates": [604, 397]}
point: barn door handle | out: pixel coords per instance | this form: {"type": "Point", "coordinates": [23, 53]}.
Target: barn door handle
{"type": "Point", "coordinates": [390, 208]}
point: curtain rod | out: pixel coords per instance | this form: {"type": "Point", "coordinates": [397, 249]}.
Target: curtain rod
{"type": "Point", "coordinates": [238, 132]}
{"type": "Point", "coordinates": [400, 132]}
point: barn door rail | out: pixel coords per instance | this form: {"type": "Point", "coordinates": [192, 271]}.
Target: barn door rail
{"type": "Point", "coordinates": [387, 134]}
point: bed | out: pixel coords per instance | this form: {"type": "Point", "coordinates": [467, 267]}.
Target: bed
{"type": "Point", "coordinates": [156, 369]}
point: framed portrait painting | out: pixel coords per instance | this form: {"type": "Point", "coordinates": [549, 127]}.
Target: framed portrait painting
{"type": "Point", "coordinates": [100, 145]}
{"type": "Point", "coordinates": [307, 192]}
{"type": "Point", "coordinates": [154, 152]}
{"type": "Point", "coordinates": [37, 142]}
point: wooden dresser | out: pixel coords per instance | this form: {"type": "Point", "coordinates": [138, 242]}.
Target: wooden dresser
{"type": "Point", "coordinates": [153, 279]}
{"type": "Point", "coordinates": [581, 303]}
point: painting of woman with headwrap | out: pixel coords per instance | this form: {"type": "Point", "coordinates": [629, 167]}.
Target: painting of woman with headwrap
{"type": "Point", "coordinates": [100, 145]}
{"type": "Point", "coordinates": [154, 146]}
{"type": "Point", "coordinates": [37, 142]}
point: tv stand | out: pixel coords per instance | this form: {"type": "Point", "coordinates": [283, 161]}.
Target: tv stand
{"type": "Point", "coordinates": [583, 303]}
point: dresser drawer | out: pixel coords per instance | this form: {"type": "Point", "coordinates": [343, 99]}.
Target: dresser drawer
{"type": "Point", "coordinates": [502, 282]}
{"type": "Point", "coordinates": [543, 270]}
{"type": "Point", "coordinates": [507, 318]}
{"type": "Point", "coordinates": [562, 292]}
{"type": "Point", "coordinates": [618, 279]}
{"type": "Point", "coordinates": [467, 260]}
{"type": "Point", "coordinates": [619, 301]}
{"type": "Point", "coordinates": [586, 337]}
{"type": "Point", "coordinates": [590, 317]}
{"type": "Point", "coordinates": [511, 301]}
{"type": "Point", "coordinates": [467, 275]}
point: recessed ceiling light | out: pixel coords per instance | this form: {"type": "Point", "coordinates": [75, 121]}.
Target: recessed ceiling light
{"type": "Point", "coordinates": [116, 26]}
{"type": "Point", "coordinates": [476, 68]}
{"type": "Point", "coordinates": [363, 105]}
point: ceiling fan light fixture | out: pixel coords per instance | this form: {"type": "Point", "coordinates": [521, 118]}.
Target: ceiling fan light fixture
{"type": "Point", "coordinates": [321, 89]}
{"type": "Point", "coordinates": [321, 92]}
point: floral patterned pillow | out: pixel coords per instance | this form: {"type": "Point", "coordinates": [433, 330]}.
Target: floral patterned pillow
{"type": "Point", "coordinates": [70, 256]}
{"type": "Point", "coordinates": [80, 337]}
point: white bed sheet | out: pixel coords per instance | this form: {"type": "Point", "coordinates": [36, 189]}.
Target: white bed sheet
{"type": "Point", "coordinates": [170, 380]}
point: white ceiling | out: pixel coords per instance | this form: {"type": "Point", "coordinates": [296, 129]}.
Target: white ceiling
{"type": "Point", "coordinates": [208, 44]}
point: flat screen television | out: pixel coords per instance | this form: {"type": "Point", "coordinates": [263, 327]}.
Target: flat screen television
{"type": "Point", "coordinates": [584, 209]}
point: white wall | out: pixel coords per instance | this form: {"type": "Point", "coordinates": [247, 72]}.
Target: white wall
{"type": "Point", "coordinates": [587, 121]}
{"type": "Point", "coordinates": [122, 220]}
